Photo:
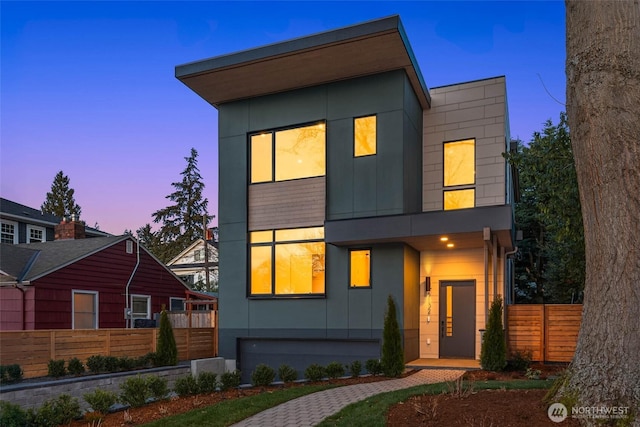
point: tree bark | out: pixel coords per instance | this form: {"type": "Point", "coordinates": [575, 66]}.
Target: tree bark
{"type": "Point", "coordinates": [603, 106]}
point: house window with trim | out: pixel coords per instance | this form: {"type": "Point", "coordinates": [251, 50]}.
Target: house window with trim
{"type": "Point", "coordinates": [459, 174]}
{"type": "Point", "coordinates": [360, 268]}
{"type": "Point", "coordinates": [140, 307]}
{"type": "Point", "coordinates": [176, 304]}
{"type": "Point", "coordinates": [9, 232]}
{"type": "Point", "coordinates": [364, 136]}
{"type": "Point", "coordinates": [84, 309]}
{"type": "Point", "coordinates": [36, 234]}
{"type": "Point", "coordinates": [288, 154]}
{"type": "Point", "coordinates": [287, 262]}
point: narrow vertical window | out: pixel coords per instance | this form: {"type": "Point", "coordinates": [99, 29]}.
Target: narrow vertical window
{"type": "Point", "coordinates": [459, 174]}
{"type": "Point", "coordinates": [85, 310]}
{"type": "Point", "coordinates": [364, 136]}
{"type": "Point", "coordinates": [360, 267]}
{"type": "Point", "coordinates": [261, 158]}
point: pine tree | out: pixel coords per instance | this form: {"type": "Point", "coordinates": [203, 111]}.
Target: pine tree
{"type": "Point", "coordinates": [182, 222]}
{"type": "Point", "coordinates": [392, 353]}
{"type": "Point", "coordinates": [59, 201]}
{"type": "Point", "coordinates": [493, 354]}
{"type": "Point", "coordinates": [167, 350]}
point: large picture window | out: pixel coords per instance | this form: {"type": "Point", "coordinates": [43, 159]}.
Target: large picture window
{"type": "Point", "coordinates": [288, 154]}
{"type": "Point", "coordinates": [85, 310]}
{"type": "Point", "coordinates": [459, 174]}
{"type": "Point", "coordinates": [287, 262]}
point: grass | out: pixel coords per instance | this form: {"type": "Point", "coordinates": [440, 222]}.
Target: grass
{"type": "Point", "coordinates": [371, 411]}
{"type": "Point", "coordinates": [232, 411]}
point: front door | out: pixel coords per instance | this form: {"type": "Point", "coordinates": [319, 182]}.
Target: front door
{"type": "Point", "coordinates": [457, 319]}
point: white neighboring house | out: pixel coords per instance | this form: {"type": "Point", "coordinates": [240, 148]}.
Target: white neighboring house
{"type": "Point", "coordinates": [192, 263]}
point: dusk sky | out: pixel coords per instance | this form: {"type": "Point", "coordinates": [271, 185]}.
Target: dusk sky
{"type": "Point", "coordinates": [89, 87]}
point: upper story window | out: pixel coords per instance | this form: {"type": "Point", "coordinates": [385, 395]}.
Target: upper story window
{"type": "Point", "coordinates": [35, 234]}
{"type": "Point", "coordinates": [364, 136]}
{"type": "Point", "coordinates": [360, 268]}
{"type": "Point", "coordinates": [287, 154]}
{"type": "Point", "coordinates": [9, 232]}
{"type": "Point", "coordinates": [287, 262]}
{"type": "Point", "coordinates": [459, 174]}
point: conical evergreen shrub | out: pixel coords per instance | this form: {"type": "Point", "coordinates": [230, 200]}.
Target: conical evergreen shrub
{"type": "Point", "coordinates": [493, 354]}
{"type": "Point", "coordinates": [392, 353]}
{"type": "Point", "coordinates": [167, 351]}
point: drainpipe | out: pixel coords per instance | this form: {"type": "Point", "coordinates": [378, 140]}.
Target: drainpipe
{"type": "Point", "coordinates": [126, 292]}
{"type": "Point", "coordinates": [494, 262]}
{"type": "Point", "coordinates": [511, 289]}
{"type": "Point", "coordinates": [486, 234]}
{"type": "Point", "coordinates": [24, 305]}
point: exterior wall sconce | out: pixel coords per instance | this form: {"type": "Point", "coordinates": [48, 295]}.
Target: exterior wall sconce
{"type": "Point", "coordinates": [427, 284]}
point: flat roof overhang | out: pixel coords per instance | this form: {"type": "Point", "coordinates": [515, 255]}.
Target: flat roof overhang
{"type": "Point", "coordinates": [423, 231]}
{"type": "Point", "coordinates": [369, 48]}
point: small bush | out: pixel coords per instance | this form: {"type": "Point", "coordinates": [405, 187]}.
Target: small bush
{"type": "Point", "coordinates": [207, 382]}
{"type": "Point", "coordinates": [75, 366]}
{"type": "Point", "coordinates": [230, 380]}
{"type": "Point", "coordinates": [493, 353]}
{"type": "Point", "coordinates": [96, 364]}
{"type": "Point", "coordinates": [54, 412]}
{"type": "Point", "coordinates": [186, 386]}
{"type": "Point", "coordinates": [146, 361]}
{"type": "Point", "coordinates": [335, 370]}
{"type": "Point", "coordinates": [314, 372]}
{"type": "Point", "coordinates": [56, 368]}
{"type": "Point", "coordinates": [533, 374]}
{"type": "Point", "coordinates": [135, 391]}
{"type": "Point", "coordinates": [167, 353]}
{"type": "Point", "coordinates": [373, 366]}
{"type": "Point", "coordinates": [519, 360]}
{"type": "Point", "coordinates": [158, 387]}
{"type": "Point", "coordinates": [12, 415]}
{"type": "Point", "coordinates": [111, 364]}
{"type": "Point", "coordinates": [101, 400]}
{"type": "Point", "coordinates": [355, 368]}
{"type": "Point", "coordinates": [10, 374]}
{"type": "Point", "coordinates": [127, 363]}
{"type": "Point", "coordinates": [287, 374]}
{"type": "Point", "coordinates": [392, 351]}
{"type": "Point", "coordinates": [263, 375]}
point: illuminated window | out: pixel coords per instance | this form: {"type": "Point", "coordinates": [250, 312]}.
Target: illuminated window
{"type": "Point", "coordinates": [364, 136]}
{"type": "Point", "coordinates": [287, 262]}
{"type": "Point", "coordinates": [360, 266]}
{"type": "Point", "coordinates": [288, 154]}
{"type": "Point", "coordinates": [459, 174]}
{"type": "Point", "coordinates": [85, 310]}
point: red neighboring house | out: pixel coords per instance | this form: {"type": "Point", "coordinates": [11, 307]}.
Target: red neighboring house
{"type": "Point", "coordinates": [77, 283]}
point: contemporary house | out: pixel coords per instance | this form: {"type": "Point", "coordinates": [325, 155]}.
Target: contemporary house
{"type": "Point", "coordinates": [344, 179]}
{"type": "Point", "coordinates": [103, 282]}
{"type": "Point", "coordinates": [197, 265]}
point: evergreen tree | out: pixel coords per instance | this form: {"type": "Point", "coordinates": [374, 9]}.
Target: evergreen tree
{"type": "Point", "coordinates": [59, 201]}
{"type": "Point", "coordinates": [167, 350]}
{"type": "Point", "coordinates": [182, 222]}
{"type": "Point", "coordinates": [392, 353]}
{"type": "Point", "coordinates": [493, 354]}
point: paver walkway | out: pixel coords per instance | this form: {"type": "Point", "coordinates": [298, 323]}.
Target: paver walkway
{"type": "Point", "coordinates": [311, 409]}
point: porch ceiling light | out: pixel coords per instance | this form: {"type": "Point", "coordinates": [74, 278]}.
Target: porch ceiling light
{"type": "Point", "coordinates": [444, 238]}
{"type": "Point", "coordinates": [450, 245]}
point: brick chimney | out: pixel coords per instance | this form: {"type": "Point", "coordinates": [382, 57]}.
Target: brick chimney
{"type": "Point", "coordinates": [69, 229]}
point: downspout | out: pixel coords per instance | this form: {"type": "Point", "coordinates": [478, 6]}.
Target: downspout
{"type": "Point", "coordinates": [126, 292]}
{"type": "Point", "coordinates": [486, 282]}
{"type": "Point", "coordinates": [24, 307]}
{"type": "Point", "coordinates": [511, 288]}
{"type": "Point", "coordinates": [494, 262]}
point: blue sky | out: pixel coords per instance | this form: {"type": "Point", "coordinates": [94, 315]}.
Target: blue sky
{"type": "Point", "coordinates": [89, 88]}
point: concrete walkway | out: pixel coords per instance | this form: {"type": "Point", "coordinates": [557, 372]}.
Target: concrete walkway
{"type": "Point", "coordinates": [311, 409]}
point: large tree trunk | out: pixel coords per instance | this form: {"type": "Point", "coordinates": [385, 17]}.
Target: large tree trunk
{"type": "Point", "coordinates": [603, 106]}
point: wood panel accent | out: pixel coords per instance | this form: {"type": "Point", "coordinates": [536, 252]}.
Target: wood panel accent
{"type": "Point", "coordinates": [32, 350]}
{"type": "Point", "coordinates": [287, 204]}
{"type": "Point", "coordinates": [550, 331]}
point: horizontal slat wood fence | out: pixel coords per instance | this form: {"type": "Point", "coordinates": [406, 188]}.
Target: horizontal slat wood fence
{"type": "Point", "coordinates": [193, 319]}
{"type": "Point", "coordinates": [33, 350]}
{"type": "Point", "coordinates": [548, 331]}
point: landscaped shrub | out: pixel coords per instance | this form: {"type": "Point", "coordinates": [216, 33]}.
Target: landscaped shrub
{"type": "Point", "coordinates": [287, 374]}
{"type": "Point", "coordinates": [12, 415]}
{"type": "Point", "coordinates": [101, 400]}
{"type": "Point", "coordinates": [158, 387]}
{"type": "Point", "coordinates": [373, 366]}
{"type": "Point", "coordinates": [263, 375]}
{"type": "Point", "coordinates": [56, 368]}
{"type": "Point", "coordinates": [230, 380]}
{"type": "Point", "coordinates": [392, 353]}
{"type": "Point", "coordinates": [10, 374]}
{"type": "Point", "coordinates": [96, 364]}
{"type": "Point", "coordinates": [186, 386]}
{"type": "Point", "coordinates": [167, 351]}
{"type": "Point", "coordinates": [127, 363]}
{"type": "Point", "coordinates": [146, 361]}
{"type": "Point", "coordinates": [335, 370]}
{"type": "Point", "coordinates": [111, 364]}
{"type": "Point", "coordinates": [207, 382]}
{"type": "Point", "coordinates": [75, 366]}
{"type": "Point", "coordinates": [314, 372]}
{"type": "Point", "coordinates": [135, 391]}
{"type": "Point", "coordinates": [519, 360]}
{"type": "Point", "coordinates": [54, 412]}
{"type": "Point", "coordinates": [493, 353]}
{"type": "Point", "coordinates": [355, 368]}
